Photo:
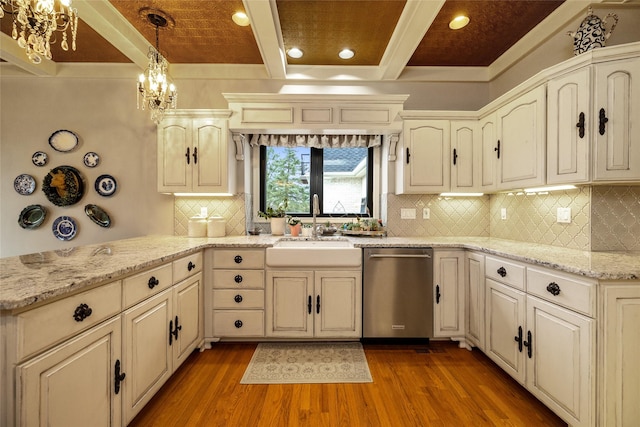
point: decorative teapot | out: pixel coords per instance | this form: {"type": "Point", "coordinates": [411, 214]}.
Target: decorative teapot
{"type": "Point", "coordinates": [592, 32]}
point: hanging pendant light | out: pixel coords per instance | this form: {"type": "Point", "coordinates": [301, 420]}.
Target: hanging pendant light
{"type": "Point", "coordinates": [155, 88]}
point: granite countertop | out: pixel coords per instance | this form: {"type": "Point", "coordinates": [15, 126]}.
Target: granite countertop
{"type": "Point", "coordinates": [27, 279]}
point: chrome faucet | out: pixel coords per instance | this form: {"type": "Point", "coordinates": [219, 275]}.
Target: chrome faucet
{"type": "Point", "coordinates": [316, 211]}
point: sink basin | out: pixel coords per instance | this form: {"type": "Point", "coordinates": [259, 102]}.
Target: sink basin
{"type": "Point", "coordinates": [313, 253]}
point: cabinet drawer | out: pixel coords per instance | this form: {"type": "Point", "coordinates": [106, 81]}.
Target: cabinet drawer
{"type": "Point", "coordinates": [239, 258]}
{"type": "Point", "coordinates": [234, 279]}
{"type": "Point", "coordinates": [238, 323]}
{"type": "Point", "coordinates": [43, 326]}
{"type": "Point", "coordinates": [568, 291]}
{"type": "Point", "coordinates": [508, 272]}
{"type": "Point", "coordinates": [143, 285]}
{"type": "Point", "coordinates": [187, 266]}
{"type": "Point", "coordinates": [238, 299]}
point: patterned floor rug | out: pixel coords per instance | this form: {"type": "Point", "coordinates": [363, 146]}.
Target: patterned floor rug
{"type": "Point", "coordinates": [291, 363]}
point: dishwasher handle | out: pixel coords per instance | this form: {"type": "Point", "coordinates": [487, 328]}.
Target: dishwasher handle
{"type": "Point", "coordinates": [399, 256]}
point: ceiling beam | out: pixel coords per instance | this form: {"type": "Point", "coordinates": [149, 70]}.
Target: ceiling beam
{"type": "Point", "coordinates": [265, 23]}
{"type": "Point", "coordinates": [14, 54]}
{"type": "Point", "coordinates": [416, 18]}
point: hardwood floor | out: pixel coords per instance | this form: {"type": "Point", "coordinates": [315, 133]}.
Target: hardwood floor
{"type": "Point", "coordinates": [414, 385]}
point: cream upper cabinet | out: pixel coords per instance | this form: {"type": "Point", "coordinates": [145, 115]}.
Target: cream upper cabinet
{"type": "Point", "coordinates": [569, 127]}
{"type": "Point", "coordinates": [465, 156]}
{"type": "Point", "coordinates": [448, 279]}
{"type": "Point", "coordinates": [423, 164]}
{"type": "Point", "coordinates": [488, 149]}
{"type": "Point", "coordinates": [521, 141]}
{"type": "Point", "coordinates": [195, 155]}
{"type": "Point", "coordinates": [617, 121]}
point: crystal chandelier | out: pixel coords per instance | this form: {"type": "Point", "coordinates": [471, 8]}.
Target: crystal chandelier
{"type": "Point", "coordinates": [35, 23]}
{"type": "Point", "coordinates": [155, 90]}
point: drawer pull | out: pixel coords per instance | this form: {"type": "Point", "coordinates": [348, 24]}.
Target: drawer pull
{"type": "Point", "coordinates": [238, 278]}
{"type": "Point", "coordinates": [191, 266]}
{"type": "Point", "coordinates": [238, 324]}
{"type": "Point", "coordinates": [238, 259]}
{"type": "Point", "coordinates": [119, 377]}
{"type": "Point", "coordinates": [238, 299]}
{"type": "Point", "coordinates": [82, 312]}
{"type": "Point", "coordinates": [502, 271]}
{"type": "Point", "coordinates": [553, 288]}
{"type": "Point", "coordinates": [153, 282]}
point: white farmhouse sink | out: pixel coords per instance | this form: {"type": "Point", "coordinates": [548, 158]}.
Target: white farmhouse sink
{"type": "Point", "coordinates": [314, 253]}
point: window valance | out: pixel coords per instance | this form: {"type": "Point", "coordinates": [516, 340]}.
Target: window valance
{"type": "Point", "coordinates": [316, 141]}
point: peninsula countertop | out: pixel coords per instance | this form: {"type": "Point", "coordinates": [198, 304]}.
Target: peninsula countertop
{"type": "Point", "coordinates": [27, 279]}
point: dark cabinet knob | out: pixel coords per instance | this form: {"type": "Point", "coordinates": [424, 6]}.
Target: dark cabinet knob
{"type": "Point", "coordinates": [238, 259]}
{"type": "Point", "coordinates": [82, 312]}
{"type": "Point", "coordinates": [502, 271]}
{"type": "Point", "coordinates": [190, 266]}
{"type": "Point", "coordinates": [238, 278]}
{"type": "Point", "coordinates": [238, 324]}
{"type": "Point", "coordinates": [153, 282]}
{"type": "Point", "coordinates": [238, 299]}
{"type": "Point", "coordinates": [553, 288]}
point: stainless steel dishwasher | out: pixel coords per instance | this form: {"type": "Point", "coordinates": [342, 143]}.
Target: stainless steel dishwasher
{"type": "Point", "coordinates": [398, 293]}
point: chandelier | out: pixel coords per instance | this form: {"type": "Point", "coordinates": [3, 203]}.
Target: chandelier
{"type": "Point", "coordinates": [155, 90]}
{"type": "Point", "coordinates": [35, 23]}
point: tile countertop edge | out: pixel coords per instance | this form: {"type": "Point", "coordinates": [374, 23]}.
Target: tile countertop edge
{"type": "Point", "coordinates": [27, 279]}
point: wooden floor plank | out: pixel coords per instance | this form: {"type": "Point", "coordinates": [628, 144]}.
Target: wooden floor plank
{"type": "Point", "coordinates": [422, 385]}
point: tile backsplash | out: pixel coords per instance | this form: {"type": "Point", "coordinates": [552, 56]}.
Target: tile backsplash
{"type": "Point", "coordinates": [232, 209]}
{"type": "Point", "coordinates": [615, 218]}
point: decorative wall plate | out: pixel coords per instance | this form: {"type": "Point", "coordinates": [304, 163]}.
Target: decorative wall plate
{"type": "Point", "coordinates": [63, 140]}
{"type": "Point", "coordinates": [91, 159]}
{"type": "Point", "coordinates": [106, 185]}
{"type": "Point", "coordinates": [40, 158]}
{"type": "Point", "coordinates": [98, 215]}
{"type": "Point", "coordinates": [63, 186]}
{"type": "Point", "coordinates": [24, 184]}
{"type": "Point", "coordinates": [32, 217]}
{"type": "Point", "coordinates": [64, 228]}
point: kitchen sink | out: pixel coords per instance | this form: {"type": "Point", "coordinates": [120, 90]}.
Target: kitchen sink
{"type": "Point", "coordinates": [314, 253]}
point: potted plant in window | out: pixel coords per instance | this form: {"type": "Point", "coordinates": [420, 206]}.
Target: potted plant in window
{"type": "Point", "coordinates": [295, 225]}
{"type": "Point", "coordinates": [276, 216]}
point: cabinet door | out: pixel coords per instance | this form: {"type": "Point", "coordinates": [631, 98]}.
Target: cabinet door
{"type": "Point", "coordinates": [174, 155]}
{"type": "Point", "coordinates": [73, 383]}
{"type": "Point", "coordinates": [448, 276]}
{"type": "Point", "coordinates": [474, 282]}
{"type": "Point", "coordinates": [290, 304]}
{"type": "Point", "coordinates": [561, 365]}
{"type": "Point", "coordinates": [147, 356]}
{"type": "Point", "coordinates": [210, 156]}
{"type": "Point", "coordinates": [425, 159]}
{"type": "Point", "coordinates": [617, 142]}
{"type": "Point", "coordinates": [187, 317]}
{"type": "Point", "coordinates": [488, 153]}
{"type": "Point", "coordinates": [338, 304]}
{"type": "Point", "coordinates": [569, 125]}
{"type": "Point", "coordinates": [465, 152]}
{"type": "Point", "coordinates": [521, 134]}
{"type": "Point", "coordinates": [505, 317]}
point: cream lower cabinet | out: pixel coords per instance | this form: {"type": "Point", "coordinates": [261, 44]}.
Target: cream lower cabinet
{"type": "Point", "coordinates": [448, 279]}
{"type": "Point", "coordinates": [474, 298]}
{"type": "Point", "coordinates": [314, 304]}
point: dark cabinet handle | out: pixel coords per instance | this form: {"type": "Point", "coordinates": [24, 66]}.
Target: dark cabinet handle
{"type": "Point", "coordinates": [408, 155]}
{"type": "Point", "coordinates": [309, 304]}
{"type": "Point", "coordinates": [82, 312]}
{"type": "Point", "coordinates": [518, 339]}
{"type": "Point", "coordinates": [238, 299]}
{"type": "Point", "coordinates": [455, 156]}
{"type": "Point", "coordinates": [170, 332]}
{"type": "Point", "coordinates": [318, 304]}
{"type": "Point", "coordinates": [118, 377]}
{"type": "Point", "coordinates": [153, 282]}
{"type": "Point", "coordinates": [553, 288]}
{"type": "Point", "coordinates": [437, 294]}
{"type": "Point", "coordinates": [602, 120]}
{"type": "Point", "coordinates": [238, 259]}
{"type": "Point", "coordinates": [173, 332]}
{"type": "Point", "coordinates": [238, 324]}
{"type": "Point", "coordinates": [580, 125]}
{"type": "Point", "coordinates": [529, 344]}
{"type": "Point", "coordinates": [497, 149]}
{"type": "Point", "coordinates": [190, 266]}
{"type": "Point", "coordinates": [195, 155]}
{"type": "Point", "coordinates": [188, 156]}
{"type": "Point", "coordinates": [502, 271]}
{"type": "Point", "coordinates": [238, 278]}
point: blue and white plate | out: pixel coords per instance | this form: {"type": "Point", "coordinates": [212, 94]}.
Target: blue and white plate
{"type": "Point", "coordinates": [39, 158]}
{"type": "Point", "coordinates": [91, 159]}
{"type": "Point", "coordinates": [106, 185]}
{"type": "Point", "coordinates": [24, 184]}
{"type": "Point", "coordinates": [64, 228]}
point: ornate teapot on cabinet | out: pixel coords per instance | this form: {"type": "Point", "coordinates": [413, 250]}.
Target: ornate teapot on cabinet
{"type": "Point", "coordinates": [592, 32]}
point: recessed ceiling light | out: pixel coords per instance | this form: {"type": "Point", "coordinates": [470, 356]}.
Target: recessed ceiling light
{"type": "Point", "coordinates": [295, 53]}
{"type": "Point", "coordinates": [240, 18]}
{"type": "Point", "coordinates": [458, 22]}
{"type": "Point", "coordinates": [346, 54]}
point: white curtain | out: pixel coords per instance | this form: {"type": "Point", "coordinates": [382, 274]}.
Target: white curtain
{"type": "Point", "coordinates": [316, 141]}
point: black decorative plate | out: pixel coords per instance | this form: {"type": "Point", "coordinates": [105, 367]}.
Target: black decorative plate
{"type": "Point", "coordinates": [98, 215]}
{"type": "Point", "coordinates": [24, 184]}
{"type": "Point", "coordinates": [32, 217]}
{"type": "Point", "coordinates": [39, 158]}
{"type": "Point", "coordinates": [63, 186]}
{"type": "Point", "coordinates": [106, 185]}
{"type": "Point", "coordinates": [63, 140]}
{"type": "Point", "coordinates": [64, 228]}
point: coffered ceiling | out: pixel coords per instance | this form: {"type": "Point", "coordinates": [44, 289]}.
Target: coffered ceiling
{"type": "Point", "coordinates": [387, 36]}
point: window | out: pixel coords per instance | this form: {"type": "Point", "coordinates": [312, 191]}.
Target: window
{"type": "Point", "coordinates": [341, 177]}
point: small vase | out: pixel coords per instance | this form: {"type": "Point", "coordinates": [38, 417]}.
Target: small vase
{"type": "Point", "coordinates": [277, 226]}
{"type": "Point", "coordinates": [295, 229]}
